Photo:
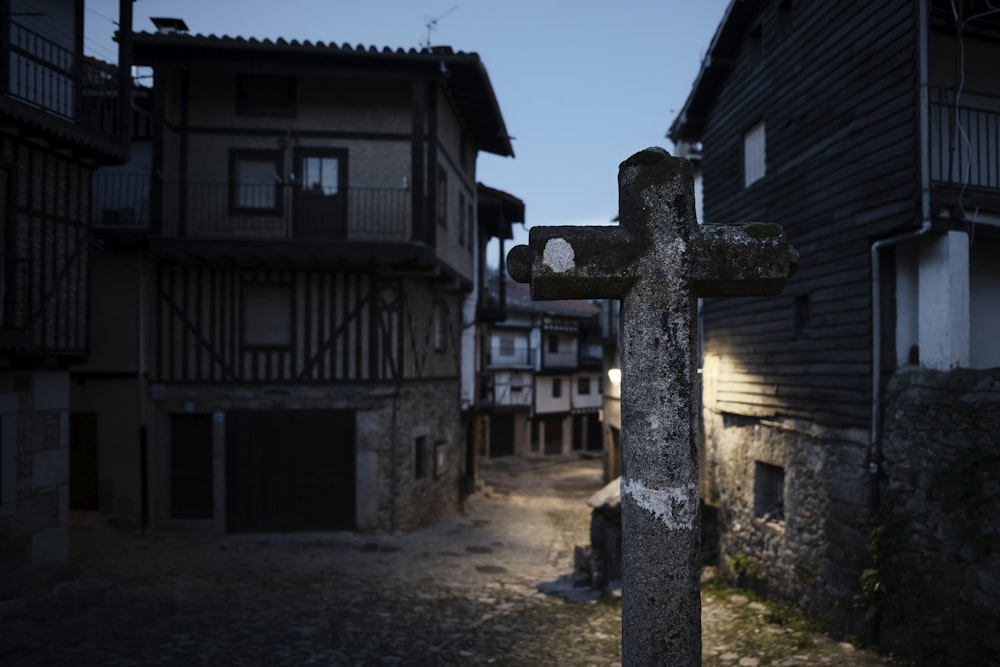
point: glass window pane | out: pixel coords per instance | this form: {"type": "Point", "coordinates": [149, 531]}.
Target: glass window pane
{"type": "Point", "coordinates": [255, 183]}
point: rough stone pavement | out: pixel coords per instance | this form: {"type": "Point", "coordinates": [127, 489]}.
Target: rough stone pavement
{"type": "Point", "coordinates": [464, 591]}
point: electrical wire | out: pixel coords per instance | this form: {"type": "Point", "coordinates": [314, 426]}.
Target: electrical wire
{"type": "Point", "coordinates": [966, 173]}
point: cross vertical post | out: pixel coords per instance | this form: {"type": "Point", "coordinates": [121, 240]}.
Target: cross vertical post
{"type": "Point", "coordinates": [658, 261]}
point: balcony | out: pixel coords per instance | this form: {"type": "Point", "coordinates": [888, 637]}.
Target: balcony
{"type": "Point", "coordinates": [221, 211]}
{"type": "Point", "coordinates": [964, 141]}
{"type": "Point", "coordinates": [53, 83]}
{"type": "Point", "coordinates": [501, 392]}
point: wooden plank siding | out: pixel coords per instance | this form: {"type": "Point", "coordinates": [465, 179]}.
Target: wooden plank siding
{"type": "Point", "coordinates": [842, 171]}
{"type": "Point", "coordinates": [343, 326]}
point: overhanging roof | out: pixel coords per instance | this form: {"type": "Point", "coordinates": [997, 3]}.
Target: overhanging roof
{"type": "Point", "coordinates": [462, 74]}
{"type": "Point", "coordinates": [715, 69]}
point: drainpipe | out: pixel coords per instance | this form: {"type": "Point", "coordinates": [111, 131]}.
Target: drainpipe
{"type": "Point", "coordinates": [875, 451]}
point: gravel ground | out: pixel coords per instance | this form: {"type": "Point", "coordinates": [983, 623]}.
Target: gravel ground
{"type": "Point", "coordinates": [464, 591]}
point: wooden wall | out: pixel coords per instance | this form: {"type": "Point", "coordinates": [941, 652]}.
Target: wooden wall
{"type": "Point", "coordinates": [836, 84]}
{"type": "Point", "coordinates": [319, 326]}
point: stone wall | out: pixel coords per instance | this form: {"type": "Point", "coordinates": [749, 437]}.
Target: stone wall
{"type": "Point", "coordinates": [34, 470]}
{"type": "Point", "coordinates": [935, 577]}
{"type": "Point", "coordinates": [806, 547]}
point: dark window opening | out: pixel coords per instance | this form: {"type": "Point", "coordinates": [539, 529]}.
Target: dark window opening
{"type": "Point", "coordinates": [553, 343]}
{"type": "Point", "coordinates": [420, 452]}
{"type": "Point", "coordinates": [442, 198]}
{"type": "Point", "coordinates": [583, 386]}
{"type": "Point", "coordinates": [267, 316]}
{"type": "Point", "coordinates": [556, 387]}
{"type": "Point", "coordinates": [769, 492]}
{"type": "Point", "coordinates": [802, 314]}
{"type": "Point", "coordinates": [262, 95]}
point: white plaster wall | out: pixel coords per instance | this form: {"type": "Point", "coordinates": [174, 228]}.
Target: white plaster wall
{"type": "Point", "coordinates": [545, 401]}
{"type": "Point", "coordinates": [944, 301]}
{"type": "Point", "coordinates": [984, 304]}
{"type": "Point", "coordinates": [907, 296]}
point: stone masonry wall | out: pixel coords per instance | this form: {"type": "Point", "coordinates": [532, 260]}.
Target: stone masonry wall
{"type": "Point", "coordinates": [34, 487]}
{"type": "Point", "coordinates": [935, 576]}
{"type": "Point", "coordinates": [811, 556]}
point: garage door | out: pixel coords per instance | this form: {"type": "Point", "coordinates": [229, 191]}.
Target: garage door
{"type": "Point", "coordinates": [289, 470]}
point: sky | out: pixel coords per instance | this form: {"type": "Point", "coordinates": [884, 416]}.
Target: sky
{"type": "Point", "coordinates": [581, 84]}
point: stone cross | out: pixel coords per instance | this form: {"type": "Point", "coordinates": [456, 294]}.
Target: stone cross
{"type": "Point", "coordinates": [658, 261]}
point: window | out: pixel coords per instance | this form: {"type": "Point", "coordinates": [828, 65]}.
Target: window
{"type": "Point", "coordinates": [769, 492]}
{"type": "Point", "coordinates": [583, 386]}
{"type": "Point", "coordinates": [553, 343]}
{"type": "Point", "coordinates": [754, 154]}
{"type": "Point", "coordinates": [261, 95]}
{"type": "Point", "coordinates": [440, 326]}
{"type": "Point", "coordinates": [470, 231]}
{"type": "Point", "coordinates": [255, 182]}
{"type": "Point", "coordinates": [461, 223]}
{"type": "Point", "coordinates": [506, 346]}
{"type": "Point", "coordinates": [420, 452]}
{"type": "Point", "coordinates": [556, 387]}
{"type": "Point", "coordinates": [802, 314]}
{"type": "Point", "coordinates": [267, 316]}
{"type": "Point", "coordinates": [442, 197]}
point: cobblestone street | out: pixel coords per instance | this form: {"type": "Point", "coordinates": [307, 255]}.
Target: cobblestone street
{"type": "Point", "coordinates": [464, 591]}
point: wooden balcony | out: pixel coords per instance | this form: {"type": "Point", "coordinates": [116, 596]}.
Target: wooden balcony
{"type": "Point", "coordinates": [498, 393]}
{"type": "Point", "coordinates": [53, 88]}
{"type": "Point", "coordinates": [252, 218]}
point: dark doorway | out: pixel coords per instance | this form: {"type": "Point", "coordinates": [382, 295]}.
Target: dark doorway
{"type": "Point", "coordinates": [501, 435]}
{"type": "Point", "coordinates": [191, 466]}
{"type": "Point", "coordinates": [290, 470]}
{"type": "Point", "coordinates": [553, 430]}
{"type": "Point", "coordinates": [83, 461]}
{"type": "Point", "coordinates": [320, 206]}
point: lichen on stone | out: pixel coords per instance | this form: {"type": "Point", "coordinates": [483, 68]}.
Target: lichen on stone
{"type": "Point", "coordinates": [762, 230]}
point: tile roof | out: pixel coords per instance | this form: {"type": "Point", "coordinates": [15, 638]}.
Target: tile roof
{"type": "Point", "coordinates": [463, 74]}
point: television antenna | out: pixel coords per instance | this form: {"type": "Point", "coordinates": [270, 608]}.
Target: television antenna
{"type": "Point", "coordinates": [432, 25]}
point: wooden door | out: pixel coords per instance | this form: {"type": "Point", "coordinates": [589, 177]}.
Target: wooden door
{"type": "Point", "coordinates": [290, 470]}
{"type": "Point", "coordinates": [191, 471]}
{"type": "Point", "coordinates": [83, 461]}
{"type": "Point", "coordinates": [320, 210]}
{"type": "Point", "coordinates": [501, 435]}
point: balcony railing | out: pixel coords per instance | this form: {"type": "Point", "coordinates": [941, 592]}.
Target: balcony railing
{"type": "Point", "coordinates": [50, 77]}
{"type": "Point", "coordinates": [278, 212]}
{"type": "Point", "coordinates": [965, 139]}
{"type": "Point", "coordinates": [503, 391]}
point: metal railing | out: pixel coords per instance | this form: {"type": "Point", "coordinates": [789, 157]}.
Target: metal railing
{"type": "Point", "coordinates": [503, 391]}
{"type": "Point", "coordinates": [964, 139]}
{"type": "Point", "coordinates": [47, 75]}
{"type": "Point", "coordinates": [280, 211]}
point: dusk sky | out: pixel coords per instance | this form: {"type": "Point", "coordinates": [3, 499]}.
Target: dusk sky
{"type": "Point", "coordinates": [581, 85]}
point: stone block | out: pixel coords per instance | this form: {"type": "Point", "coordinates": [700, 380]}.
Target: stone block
{"type": "Point", "coordinates": [50, 468]}
{"type": "Point", "coordinates": [50, 390]}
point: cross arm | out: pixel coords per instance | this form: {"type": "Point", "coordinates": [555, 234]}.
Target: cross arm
{"type": "Point", "coordinates": [747, 259]}
{"type": "Point", "coordinates": [575, 262]}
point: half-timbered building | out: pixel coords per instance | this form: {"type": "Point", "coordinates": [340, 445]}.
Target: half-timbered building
{"type": "Point", "coordinates": [541, 380]}
{"type": "Point", "coordinates": [871, 133]}
{"type": "Point", "coordinates": [282, 286]}
{"type": "Point", "coordinates": [59, 120]}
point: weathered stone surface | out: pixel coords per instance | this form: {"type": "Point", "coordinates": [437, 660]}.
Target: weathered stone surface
{"type": "Point", "coordinates": [658, 261]}
{"type": "Point", "coordinates": [941, 516]}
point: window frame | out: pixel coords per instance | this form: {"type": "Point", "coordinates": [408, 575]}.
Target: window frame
{"type": "Point", "coordinates": [276, 158]}
{"type": "Point", "coordinates": [754, 161]}
{"type": "Point", "coordinates": [248, 343]}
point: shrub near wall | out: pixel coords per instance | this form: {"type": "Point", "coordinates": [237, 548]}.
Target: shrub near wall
{"type": "Point", "coordinates": [935, 580]}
